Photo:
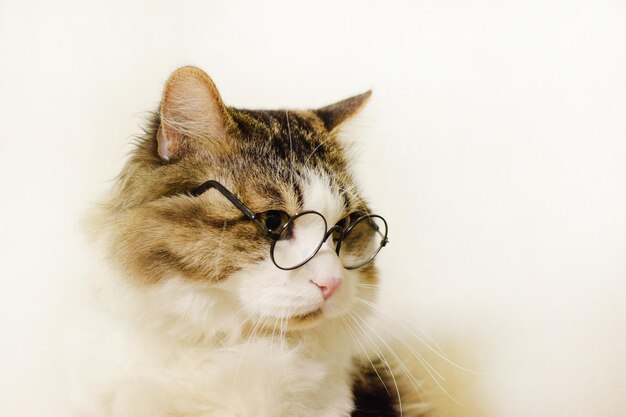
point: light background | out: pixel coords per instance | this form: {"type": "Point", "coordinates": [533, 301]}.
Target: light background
{"type": "Point", "coordinates": [495, 144]}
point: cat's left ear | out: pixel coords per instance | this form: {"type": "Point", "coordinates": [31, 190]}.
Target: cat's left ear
{"type": "Point", "coordinates": [335, 114]}
{"type": "Point", "coordinates": [192, 115]}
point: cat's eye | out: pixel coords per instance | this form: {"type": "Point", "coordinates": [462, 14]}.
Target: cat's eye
{"type": "Point", "coordinates": [357, 238]}
{"type": "Point", "coordinates": [296, 239]}
{"type": "Point", "coordinates": [343, 224]}
{"type": "Point", "coordinates": [362, 241]}
{"type": "Point", "coordinates": [273, 220]}
{"type": "Point", "coordinates": [346, 222]}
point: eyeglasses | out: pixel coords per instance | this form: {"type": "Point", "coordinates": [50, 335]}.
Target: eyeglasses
{"type": "Point", "coordinates": [297, 239]}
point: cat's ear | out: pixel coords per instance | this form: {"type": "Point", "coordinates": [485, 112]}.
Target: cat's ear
{"type": "Point", "coordinates": [335, 114]}
{"type": "Point", "coordinates": [192, 114]}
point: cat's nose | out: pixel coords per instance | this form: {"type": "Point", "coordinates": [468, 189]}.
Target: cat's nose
{"type": "Point", "coordinates": [327, 285]}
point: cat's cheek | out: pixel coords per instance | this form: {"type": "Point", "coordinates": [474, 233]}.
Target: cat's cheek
{"type": "Point", "coordinates": [266, 292]}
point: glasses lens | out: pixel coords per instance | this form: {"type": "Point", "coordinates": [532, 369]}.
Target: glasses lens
{"type": "Point", "coordinates": [363, 241]}
{"type": "Point", "coordinates": [300, 239]}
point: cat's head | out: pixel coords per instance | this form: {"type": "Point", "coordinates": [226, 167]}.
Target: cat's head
{"type": "Point", "coordinates": [277, 163]}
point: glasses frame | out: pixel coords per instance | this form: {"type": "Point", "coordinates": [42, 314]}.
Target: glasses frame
{"type": "Point", "coordinates": [275, 234]}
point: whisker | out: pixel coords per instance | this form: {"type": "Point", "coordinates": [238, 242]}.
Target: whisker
{"type": "Point", "coordinates": [282, 332]}
{"type": "Point", "coordinates": [403, 322]}
{"type": "Point", "coordinates": [440, 352]}
{"type": "Point", "coordinates": [272, 343]}
{"type": "Point", "coordinates": [420, 358]}
{"type": "Point", "coordinates": [365, 353]}
{"type": "Point", "coordinates": [243, 353]}
{"type": "Point", "coordinates": [368, 285]}
{"type": "Point", "coordinates": [383, 360]}
{"type": "Point", "coordinates": [353, 193]}
{"type": "Point", "coordinates": [409, 374]}
{"type": "Point", "coordinates": [316, 148]}
{"type": "Point", "coordinates": [416, 384]}
{"type": "Point", "coordinates": [290, 146]}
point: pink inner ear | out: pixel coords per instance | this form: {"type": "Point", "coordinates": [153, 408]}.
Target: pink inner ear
{"type": "Point", "coordinates": [163, 145]}
{"type": "Point", "coordinates": [191, 112]}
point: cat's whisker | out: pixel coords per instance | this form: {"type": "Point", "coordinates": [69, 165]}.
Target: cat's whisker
{"type": "Point", "coordinates": [406, 324]}
{"type": "Point", "coordinates": [353, 193]}
{"type": "Point", "coordinates": [382, 358]}
{"type": "Point", "coordinates": [290, 147]}
{"type": "Point", "coordinates": [274, 328]}
{"type": "Point", "coordinates": [282, 330]}
{"type": "Point", "coordinates": [419, 357]}
{"type": "Point", "coordinates": [365, 352]}
{"type": "Point", "coordinates": [243, 353]}
{"type": "Point", "coordinates": [272, 344]}
{"type": "Point", "coordinates": [368, 285]}
{"type": "Point", "coordinates": [284, 322]}
{"type": "Point", "coordinates": [242, 325]}
{"type": "Point", "coordinates": [403, 321]}
{"type": "Point", "coordinates": [437, 349]}
{"type": "Point", "coordinates": [401, 363]}
{"type": "Point", "coordinates": [417, 385]}
{"type": "Point", "coordinates": [316, 148]}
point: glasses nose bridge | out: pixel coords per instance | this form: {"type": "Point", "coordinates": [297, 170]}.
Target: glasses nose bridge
{"type": "Point", "coordinates": [330, 232]}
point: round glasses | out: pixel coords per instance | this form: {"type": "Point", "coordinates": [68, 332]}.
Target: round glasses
{"type": "Point", "coordinates": [298, 240]}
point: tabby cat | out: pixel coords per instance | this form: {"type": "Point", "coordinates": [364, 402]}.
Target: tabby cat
{"type": "Point", "coordinates": [239, 255]}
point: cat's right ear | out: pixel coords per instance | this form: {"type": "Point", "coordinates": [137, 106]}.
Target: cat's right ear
{"type": "Point", "coordinates": [192, 115]}
{"type": "Point", "coordinates": [334, 115]}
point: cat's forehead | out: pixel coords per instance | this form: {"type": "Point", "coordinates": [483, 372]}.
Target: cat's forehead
{"type": "Point", "coordinates": [296, 137]}
{"type": "Point", "coordinates": [277, 123]}
{"type": "Point", "coordinates": [306, 190]}
{"type": "Point", "coordinates": [288, 158]}
{"type": "Point", "coordinates": [321, 195]}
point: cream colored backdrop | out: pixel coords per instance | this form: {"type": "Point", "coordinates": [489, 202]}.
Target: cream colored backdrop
{"type": "Point", "coordinates": [495, 144]}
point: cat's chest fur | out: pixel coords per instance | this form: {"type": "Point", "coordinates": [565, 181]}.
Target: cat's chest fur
{"type": "Point", "coordinates": [141, 360]}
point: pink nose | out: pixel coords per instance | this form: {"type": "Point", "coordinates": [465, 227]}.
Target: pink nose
{"type": "Point", "coordinates": [328, 286]}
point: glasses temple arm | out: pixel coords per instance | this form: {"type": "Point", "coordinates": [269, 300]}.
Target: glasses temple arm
{"type": "Point", "coordinates": [205, 186]}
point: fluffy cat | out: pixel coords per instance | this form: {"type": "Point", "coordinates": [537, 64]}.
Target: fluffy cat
{"type": "Point", "coordinates": [200, 319]}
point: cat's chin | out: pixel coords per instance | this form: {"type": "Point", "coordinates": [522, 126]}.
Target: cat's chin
{"type": "Point", "coordinates": [296, 322]}
{"type": "Point", "coordinates": [314, 317]}
{"type": "Point", "coordinates": [307, 320]}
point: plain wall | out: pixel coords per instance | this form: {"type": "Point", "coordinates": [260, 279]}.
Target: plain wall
{"type": "Point", "coordinates": [495, 145]}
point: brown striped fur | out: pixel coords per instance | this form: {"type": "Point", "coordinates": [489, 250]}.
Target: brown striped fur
{"type": "Point", "coordinates": [158, 230]}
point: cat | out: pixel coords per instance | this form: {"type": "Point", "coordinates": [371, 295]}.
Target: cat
{"type": "Point", "coordinates": [239, 267]}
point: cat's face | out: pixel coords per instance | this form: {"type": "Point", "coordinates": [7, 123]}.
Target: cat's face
{"type": "Point", "coordinates": [277, 162]}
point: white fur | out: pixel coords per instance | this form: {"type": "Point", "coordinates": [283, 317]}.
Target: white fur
{"type": "Point", "coordinates": [180, 348]}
